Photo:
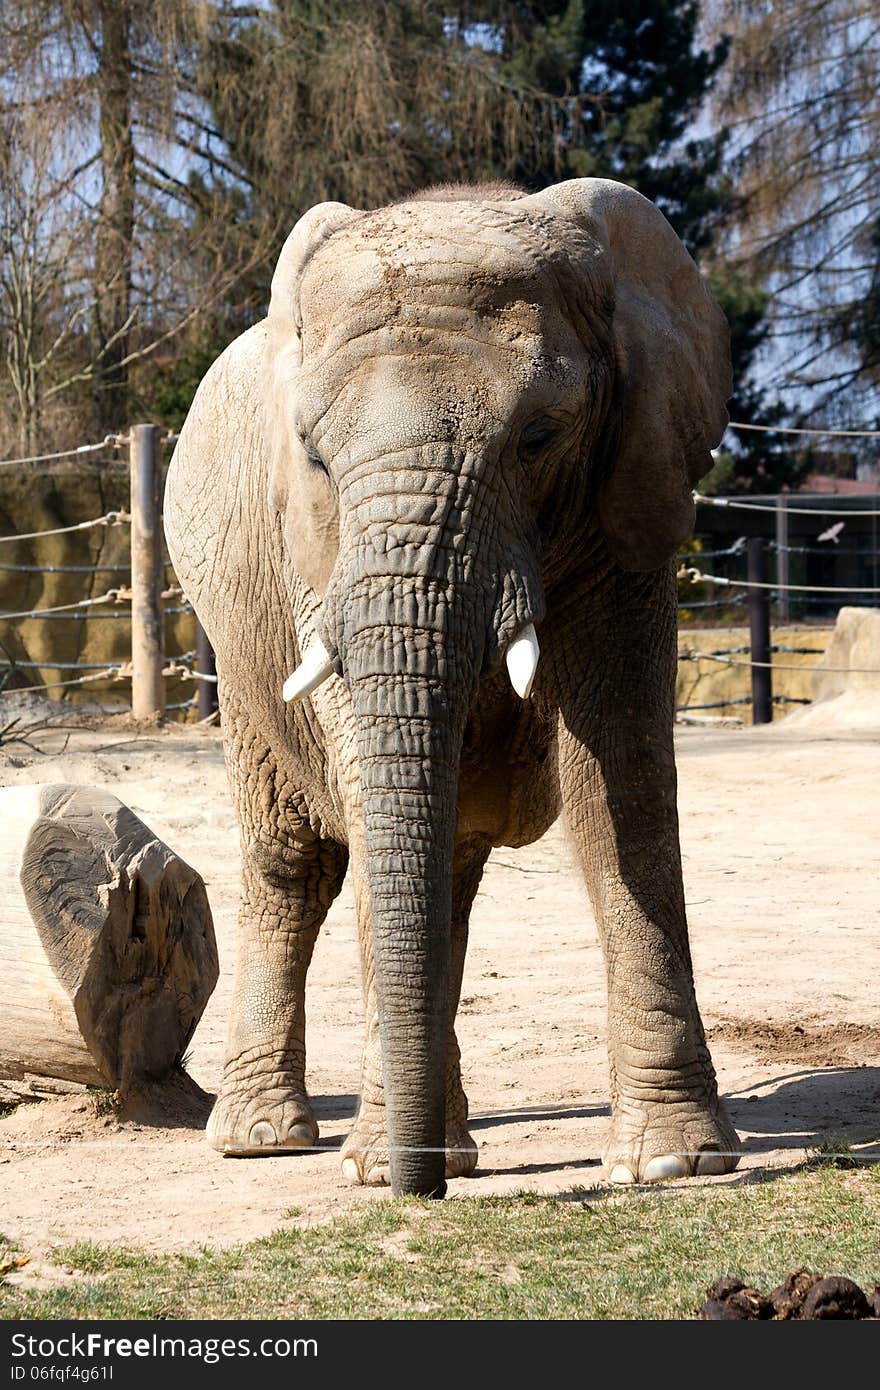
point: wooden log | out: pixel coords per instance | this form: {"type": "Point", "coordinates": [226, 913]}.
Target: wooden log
{"type": "Point", "coordinates": [107, 949]}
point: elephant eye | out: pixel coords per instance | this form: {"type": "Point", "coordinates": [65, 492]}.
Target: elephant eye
{"type": "Point", "coordinates": [536, 435]}
{"type": "Point", "coordinates": [316, 462]}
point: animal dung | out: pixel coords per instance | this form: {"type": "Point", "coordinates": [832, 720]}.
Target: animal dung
{"type": "Point", "coordinates": [803, 1296]}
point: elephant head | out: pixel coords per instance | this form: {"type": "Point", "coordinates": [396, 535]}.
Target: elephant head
{"type": "Point", "coordinates": [459, 396]}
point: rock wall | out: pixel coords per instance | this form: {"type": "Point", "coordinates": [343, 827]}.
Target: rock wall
{"type": "Point", "coordinates": [51, 570]}
{"type": "Point", "coordinates": [716, 683]}
{"type": "Point", "coordinates": [851, 663]}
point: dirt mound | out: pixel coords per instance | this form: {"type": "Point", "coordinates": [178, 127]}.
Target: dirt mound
{"type": "Point", "coordinates": [81, 1116]}
{"type": "Point", "coordinates": [855, 712]}
{"type": "Point", "coordinates": [175, 1104]}
{"type": "Point", "coordinates": [811, 1043]}
{"type": "Point", "coordinates": [846, 679]}
{"type": "Point", "coordinates": [87, 1115]}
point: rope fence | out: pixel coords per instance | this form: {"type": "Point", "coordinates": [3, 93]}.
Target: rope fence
{"type": "Point", "coordinates": [696, 576]}
{"type": "Point", "coordinates": [688, 655]}
{"type": "Point", "coordinates": [742, 700]}
{"type": "Point", "coordinates": [76, 665]}
{"type": "Point", "coordinates": [757, 590]}
{"type": "Point", "coordinates": [115, 441]}
{"type": "Point", "coordinates": [122, 672]}
{"type": "Point", "coordinates": [744, 506]}
{"type": "Point", "coordinates": [110, 441]}
{"type": "Point", "coordinates": [149, 594]}
{"type": "Point", "coordinates": [111, 596]}
{"type": "Point", "coordinates": [109, 519]}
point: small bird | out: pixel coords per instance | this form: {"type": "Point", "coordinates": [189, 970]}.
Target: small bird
{"type": "Point", "coordinates": [833, 532]}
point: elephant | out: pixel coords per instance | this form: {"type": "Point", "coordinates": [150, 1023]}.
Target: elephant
{"type": "Point", "coordinates": [427, 512]}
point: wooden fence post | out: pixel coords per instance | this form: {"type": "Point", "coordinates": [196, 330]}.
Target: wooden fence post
{"type": "Point", "coordinates": [147, 630]}
{"type": "Point", "coordinates": [759, 632]}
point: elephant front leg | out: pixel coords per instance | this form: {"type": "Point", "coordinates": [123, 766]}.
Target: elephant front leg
{"type": "Point", "coordinates": [365, 1152]}
{"type": "Point", "coordinates": [618, 785]}
{"type": "Point", "coordinates": [263, 1108]}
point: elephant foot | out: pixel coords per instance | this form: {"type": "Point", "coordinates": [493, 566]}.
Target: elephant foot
{"type": "Point", "coordinates": [665, 1140]}
{"type": "Point", "coordinates": [254, 1120]}
{"type": "Point", "coordinates": [365, 1151]}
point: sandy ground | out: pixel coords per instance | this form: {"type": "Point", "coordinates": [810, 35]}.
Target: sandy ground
{"type": "Point", "coordinates": [779, 832]}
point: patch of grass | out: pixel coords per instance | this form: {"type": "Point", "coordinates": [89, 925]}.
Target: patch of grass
{"type": "Point", "coordinates": [105, 1102]}
{"type": "Point", "coordinates": [599, 1254]}
{"type": "Point", "coordinates": [834, 1153]}
{"type": "Point", "coordinates": [88, 1258]}
{"type": "Point", "coordinates": [8, 1109]}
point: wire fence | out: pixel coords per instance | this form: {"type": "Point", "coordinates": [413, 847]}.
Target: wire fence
{"type": "Point", "coordinates": [812, 572]}
{"type": "Point", "coordinates": [736, 591]}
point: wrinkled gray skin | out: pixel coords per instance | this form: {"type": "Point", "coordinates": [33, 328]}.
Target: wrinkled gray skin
{"type": "Point", "coordinates": [463, 413]}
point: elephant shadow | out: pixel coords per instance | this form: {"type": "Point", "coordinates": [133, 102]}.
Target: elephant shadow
{"type": "Point", "coordinates": [800, 1111]}
{"type": "Point", "coordinates": [811, 1107]}
{"type": "Point", "coordinates": [796, 1112]}
{"type": "Point", "coordinates": [535, 1114]}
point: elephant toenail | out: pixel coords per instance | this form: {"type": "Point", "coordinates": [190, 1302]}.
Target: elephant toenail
{"type": "Point", "coordinates": [710, 1163]}
{"type": "Point", "coordinates": [302, 1136]}
{"type": "Point", "coordinates": [350, 1170]}
{"type": "Point", "coordinates": [667, 1166]}
{"type": "Point", "coordinates": [620, 1173]}
{"type": "Point", "coordinates": [262, 1134]}
{"type": "Point", "coordinates": [377, 1176]}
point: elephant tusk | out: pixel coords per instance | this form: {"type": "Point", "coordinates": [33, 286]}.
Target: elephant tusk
{"type": "Point", "coordinates": [317, 664]}
{"type": "Point", "coordinates": [522, 660]}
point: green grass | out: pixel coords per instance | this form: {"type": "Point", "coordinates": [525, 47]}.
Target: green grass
{"type": "Point", "coordinates": [834, 1153]}
{"type": "Point", "coordinates": [640, 1254]}
{"type": "Point", "coordinates": [105, 1102]}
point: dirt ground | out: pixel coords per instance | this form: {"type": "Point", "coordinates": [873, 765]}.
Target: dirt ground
{"type": "Point", "coordinates": [779, 833]}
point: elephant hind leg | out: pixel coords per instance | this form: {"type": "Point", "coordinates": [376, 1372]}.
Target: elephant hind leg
{"type": "Point", "coordinates": [365, 1152]}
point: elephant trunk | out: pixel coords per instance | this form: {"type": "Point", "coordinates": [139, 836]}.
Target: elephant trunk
{"type": "Point", "coordinates": [411, 676]}
{"type": "Point", "coordinates": [425, 598]}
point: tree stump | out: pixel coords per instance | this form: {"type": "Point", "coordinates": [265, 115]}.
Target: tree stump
{"type": "Point", "coordinates": [107, 949]}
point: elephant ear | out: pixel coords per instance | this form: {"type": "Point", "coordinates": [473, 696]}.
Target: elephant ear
{"type": "Point", "coordinates": [299, 492]}
{"type": "Point", "coordinates": [673, 352]}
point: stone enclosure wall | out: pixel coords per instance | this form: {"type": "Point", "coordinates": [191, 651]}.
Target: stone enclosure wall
{"type": "Point", "coordinates": [53, 570]}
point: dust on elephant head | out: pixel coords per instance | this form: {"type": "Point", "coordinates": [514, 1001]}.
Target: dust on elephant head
{"type": "Point", "coordinates": [567, 334]}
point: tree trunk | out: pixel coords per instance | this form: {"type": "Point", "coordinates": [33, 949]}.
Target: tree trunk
{"type": "Point", "coordinates": [114, 248]}
{"type": "Point", "coordinates": [107, 950]}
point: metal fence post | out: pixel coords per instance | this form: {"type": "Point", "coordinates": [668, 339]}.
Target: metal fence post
{"type": "Point", "coordinates": [783, 569]}
{"type": "Point", "coordinates": [147, 634]}
{"type": "Point", "coordinates": [205, 665]}
{"type": "Point", "coordinates": [759, 632]}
